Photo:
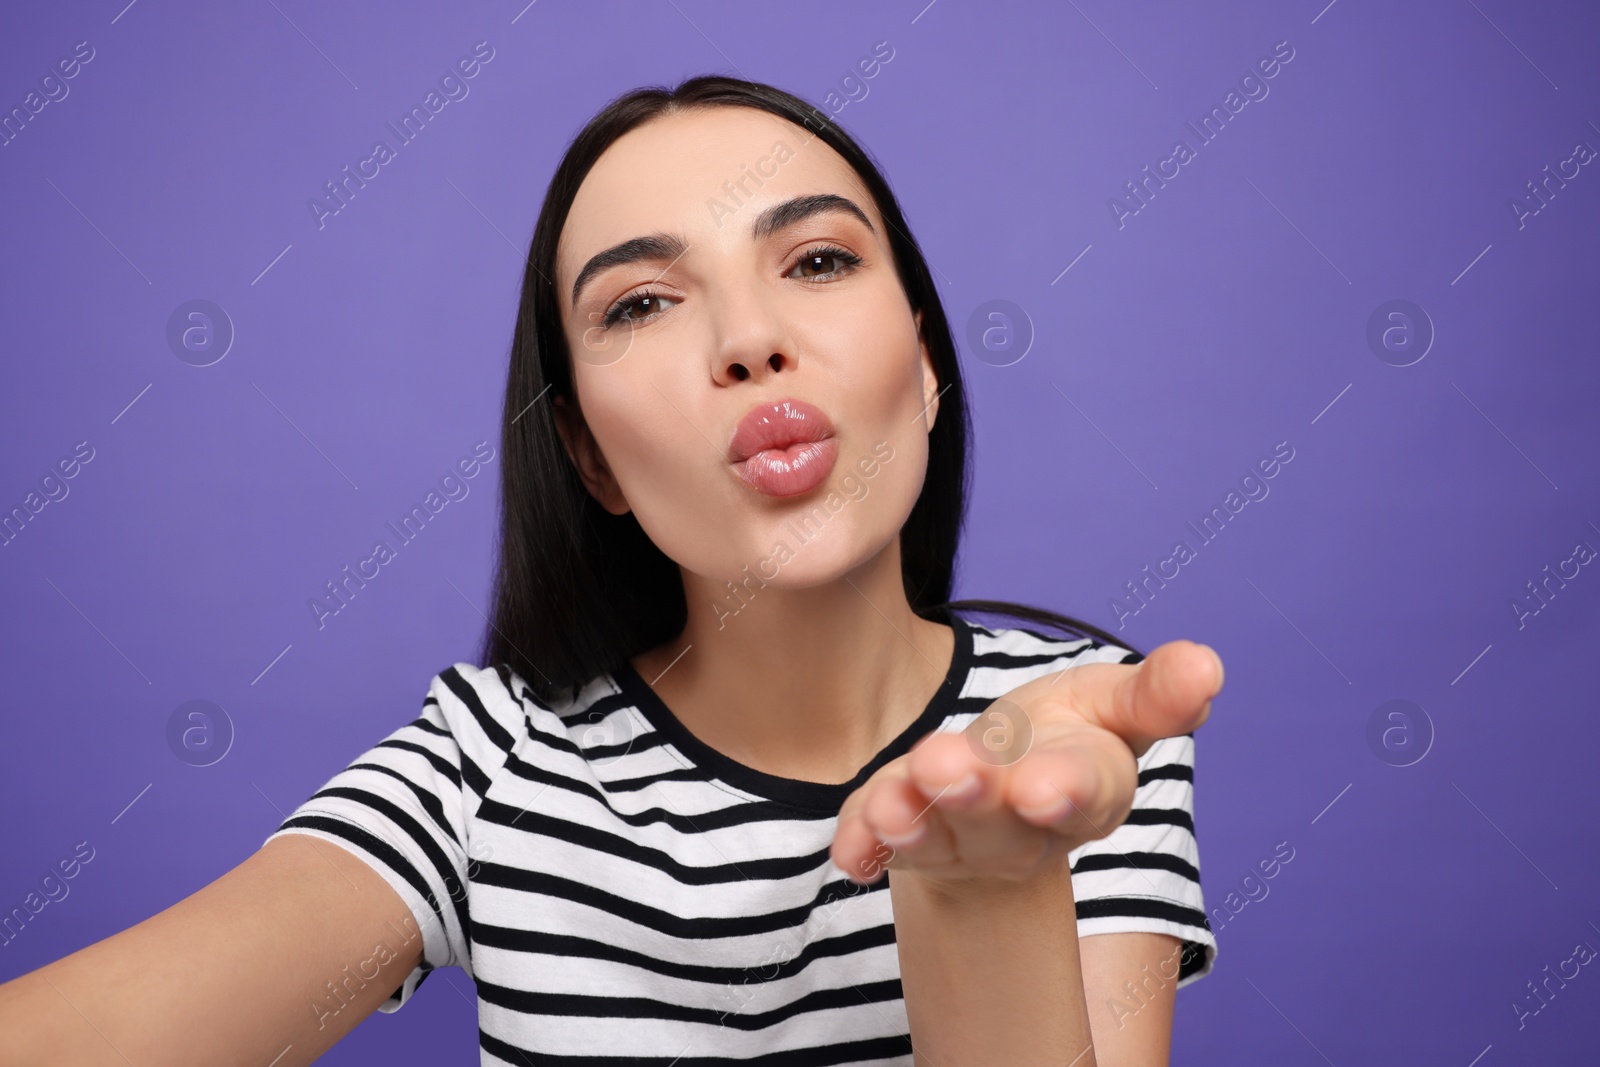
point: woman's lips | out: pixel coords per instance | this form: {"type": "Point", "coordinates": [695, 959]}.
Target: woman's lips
{"type": "Point", "coordinates": [790, 471]}
{"type": "Point", "coordinates": [783, 447]}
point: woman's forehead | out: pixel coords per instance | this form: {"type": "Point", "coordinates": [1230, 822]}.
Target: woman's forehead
{"type": "Point", "coordinates": [694, 173]}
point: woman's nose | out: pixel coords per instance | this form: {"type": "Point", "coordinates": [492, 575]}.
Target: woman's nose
{"type": "Point", "coordinates": [740, 370]}
{"type": "Point", "coordinates": [753, 339]}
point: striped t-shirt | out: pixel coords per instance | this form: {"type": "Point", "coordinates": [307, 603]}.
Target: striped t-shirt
{"type": "Point", "coordinates": [622, 892]}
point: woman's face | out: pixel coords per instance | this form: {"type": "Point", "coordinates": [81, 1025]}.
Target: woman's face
{"type": "Point", "coordinates": [728, 309]}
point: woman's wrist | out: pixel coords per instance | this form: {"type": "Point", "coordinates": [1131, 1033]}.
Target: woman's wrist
{"type": "Point", "coordinates": [1047, 887]}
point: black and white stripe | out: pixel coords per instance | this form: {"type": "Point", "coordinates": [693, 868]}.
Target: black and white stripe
{"type": "Point", "coordinates": [622, 892]}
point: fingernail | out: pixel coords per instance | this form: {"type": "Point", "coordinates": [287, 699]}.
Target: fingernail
{"type": "Point", "coordinates": [1054, 811]}
{"type": "Point", "coordinates": [911, 838]}
{"type": "Point", "coordinates": [963, 789]}
{"type": "Point", "coordinates": [1218, 658]}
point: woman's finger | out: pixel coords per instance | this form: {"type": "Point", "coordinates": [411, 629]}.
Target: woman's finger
{"type": "Point", "coordinates": [909, 823]}
{"type": "Point", "coordinates": [1080, 787]}
{"type": "Point", "coordinates": [856, 850]}
{"type": "Point", "coordinates": [883, 822]}
{"type": "Point", "coordinates": [984, 834]}
{"type": "Point", "coordinates": [1167, 694]}
{"type": "Point", "coordinates": [955, 772]}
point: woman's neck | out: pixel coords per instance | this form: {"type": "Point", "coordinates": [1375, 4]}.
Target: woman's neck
{"type": "Point", "coordinates": [803, 683]}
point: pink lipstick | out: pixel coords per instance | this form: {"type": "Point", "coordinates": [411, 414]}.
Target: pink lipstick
{"type": "Point", "coordinates": [783, 447]}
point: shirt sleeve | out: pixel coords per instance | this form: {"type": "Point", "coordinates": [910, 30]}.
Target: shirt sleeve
{"type": "Point", "coordinates": [406, 805]}
{"type": "Point", "coordinates": [1145, 874]}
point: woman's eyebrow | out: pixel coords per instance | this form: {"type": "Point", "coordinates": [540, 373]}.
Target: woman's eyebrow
{"type": "Point", "coordinates": [667, 247]}
{"type": "Point", "coordinates": [794, 210]}
{"type": "Point", "coordinates": [657, 247]}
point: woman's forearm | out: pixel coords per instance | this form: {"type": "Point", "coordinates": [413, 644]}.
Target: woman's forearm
{"type": "Point", "coordinates": [991, 973]}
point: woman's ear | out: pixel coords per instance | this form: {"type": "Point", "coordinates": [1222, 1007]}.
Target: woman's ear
{"type": "Point", "coordinates": [930, 378]}
{"type": "Point", "coordinates": [585, 454]}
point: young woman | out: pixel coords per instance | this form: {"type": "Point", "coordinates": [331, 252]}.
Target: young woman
{"type": "Point", "coordinates": [726, 705]}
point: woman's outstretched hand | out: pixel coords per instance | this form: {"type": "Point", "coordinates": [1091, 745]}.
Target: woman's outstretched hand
{"type": "Point", "coordinates": [1047, 767]}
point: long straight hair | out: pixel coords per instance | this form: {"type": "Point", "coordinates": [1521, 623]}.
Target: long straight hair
{"type": "Point", "coordinates": [576, 589]}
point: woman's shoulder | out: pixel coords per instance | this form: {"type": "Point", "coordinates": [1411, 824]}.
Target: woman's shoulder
{"type": "Point", "coordinates": [496, 699]}
{"type": "Point", "coordinates": [1002, 643]}
{"type": "Point", "coordinates": [1008, 656]}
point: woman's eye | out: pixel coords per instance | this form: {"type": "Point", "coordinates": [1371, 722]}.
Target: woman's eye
{"type": "Point", "coordinates": [819, 258]}
{"type": "Point", "coordinates": [825, 262]}
{"type": "Point", "coordinates": [648, 302]}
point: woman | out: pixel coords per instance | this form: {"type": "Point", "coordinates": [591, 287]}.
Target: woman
{"type": "Point", "coordinates": [725, 693]}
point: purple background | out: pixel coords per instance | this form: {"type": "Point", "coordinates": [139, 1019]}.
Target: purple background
{"type": "Point", "coordinates": [1230, 313]}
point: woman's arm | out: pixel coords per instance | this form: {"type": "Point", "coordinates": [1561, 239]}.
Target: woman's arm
{"type": "Point", "coordinates": [984, 908]}
{"type": "Point", "coordinates": [1130, 981]}
{"type": "Point", "coordinates": [1001, 966]}
{"type": "Point", "coordinates": [238, 972]}
{"type": "Point", "coordinates": [991, 972]}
